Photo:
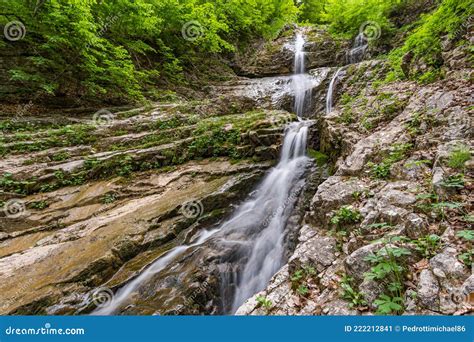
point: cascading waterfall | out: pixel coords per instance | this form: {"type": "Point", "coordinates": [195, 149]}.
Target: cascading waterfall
{"type": "Point", "coordinates": [263, 219]}
{"type": "Point", "coordinates": [301, 82]}
{"type": "Point", "coordinates": [329, 96]}
{"type": "Point", "coordinates": [258, 225]}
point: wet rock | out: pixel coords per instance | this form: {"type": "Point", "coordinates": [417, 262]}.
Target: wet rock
{"type": "Point", "coordinates": [276, 57]}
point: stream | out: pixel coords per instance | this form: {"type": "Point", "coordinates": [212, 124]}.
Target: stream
{"type": "Point", "coordinates": [256, 230]}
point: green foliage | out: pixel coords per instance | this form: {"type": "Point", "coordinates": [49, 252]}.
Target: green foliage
{"type": "Point", "coordinates": [424, 41]}
{"type": "Point", "coordinates": [40, 205]}
{"type": "Point", "coordinates": [300, 278]}
{"type": "Point", "coordinates": [467, 257]}
{"type": "Point", "coordinates": [345, 17]}
{"type": "Point", "coordinates": [109, 197]}
{"type": "Point", "coordinates": [345, 215]}
{"type": "Point", "coordinates": [320, 158]}
{"type": "Point", "coordinates": [387, 305]}
{"type": "Point", "coordinates": [431, 203]}
{"type": "Point", "coordinates": [389, 268]}
{"type": "Point", "coordinates": [381, 170]}
{"type": "Point", "coordinates": [459, 156]}
{"type": "Point", "coordinates": [428, 246]}
{"type": "Point", "coordinates": [466, 234]}
{"type": "Point", "coordinates": [397, 152]}
{"type": "Point", "coordinates": [454, 181]}
{"type": "Point", "coordinates": [302, 290]}
{"type": "Point", "coordinates": [310, 11]}
{"type": "Point", "coordinates": [355, 298]}
{"type": "Point", "coordinates": [118, 47]}
{"type": "Point", "coordinates": [264, 302]}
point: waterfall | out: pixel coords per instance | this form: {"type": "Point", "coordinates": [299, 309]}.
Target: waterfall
{"type": "Point", "coordinates": [356, 54]}
{"type": "Point", "coordinates": [299, 65]}
{"type": "Point", "coordinates": [301, 82]}
{"type": "Point", "coordinates": [257, 228]}
{"type": "Point", "coordinates": [329, 96]}
{"type": "Point", "coordinates": [261, 222]}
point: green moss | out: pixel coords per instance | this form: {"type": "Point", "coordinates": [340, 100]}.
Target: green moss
{"type": "Point", "coordinates": [320, 158]}
{"type": "Point", "coordinates": [424, 40]}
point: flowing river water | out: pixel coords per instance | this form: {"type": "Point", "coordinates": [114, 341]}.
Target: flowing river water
{"type": "Point", "coordinates": [257, 228]}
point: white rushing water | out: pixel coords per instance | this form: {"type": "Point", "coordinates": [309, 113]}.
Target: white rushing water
{"type": "Point", "coordinates": [122, 295]}
{"type": "Point", "coordinates": [258, 225]}
{"type": "Point", "coordinates": [262, 220]}
{"type": "Point", "coordinates": [301, 82]}
{"type": "Point", "coordinates": [329, 96]}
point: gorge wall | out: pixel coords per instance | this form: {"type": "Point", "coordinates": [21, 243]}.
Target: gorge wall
{"type": "Point", "coordinates": [100, 200]}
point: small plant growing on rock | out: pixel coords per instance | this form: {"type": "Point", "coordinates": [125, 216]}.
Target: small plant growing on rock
{"type": "Point", "coordinates": [264, 302]}
{"type": "Point", "coordinates": [455, 181]}
{"type": "Point", "coordinates": [354, 297]}
{"type": "Point", "coordinates": [468, 237]}
{"type": "Point", "coordinates": [346, 215]}
{"type": "Point", "coordinates": [466, 234]}
{"type": "Point", "coordinates": [466, 257]}
{"type": "Point", "coordinates": [430, 204]}
{"type": "Point", "coordinates": [39, 205]}
{"type": "Point", "coordinates": [428, 246]}
{"type": "Point", "coordinates": [382, 169]}
{"type": "Point", "coordinates": [458, 157]}
{"type": "Point", "coordinates": [300, 278]}
{"type": "Point", "coordinates": [387, 305]}
{"type": "Point", "coordinates": [389, 269]}
{"type": "Point", "coordinates": [109, 197]}
{"type": "Point", "coordinates": [302, 290]}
